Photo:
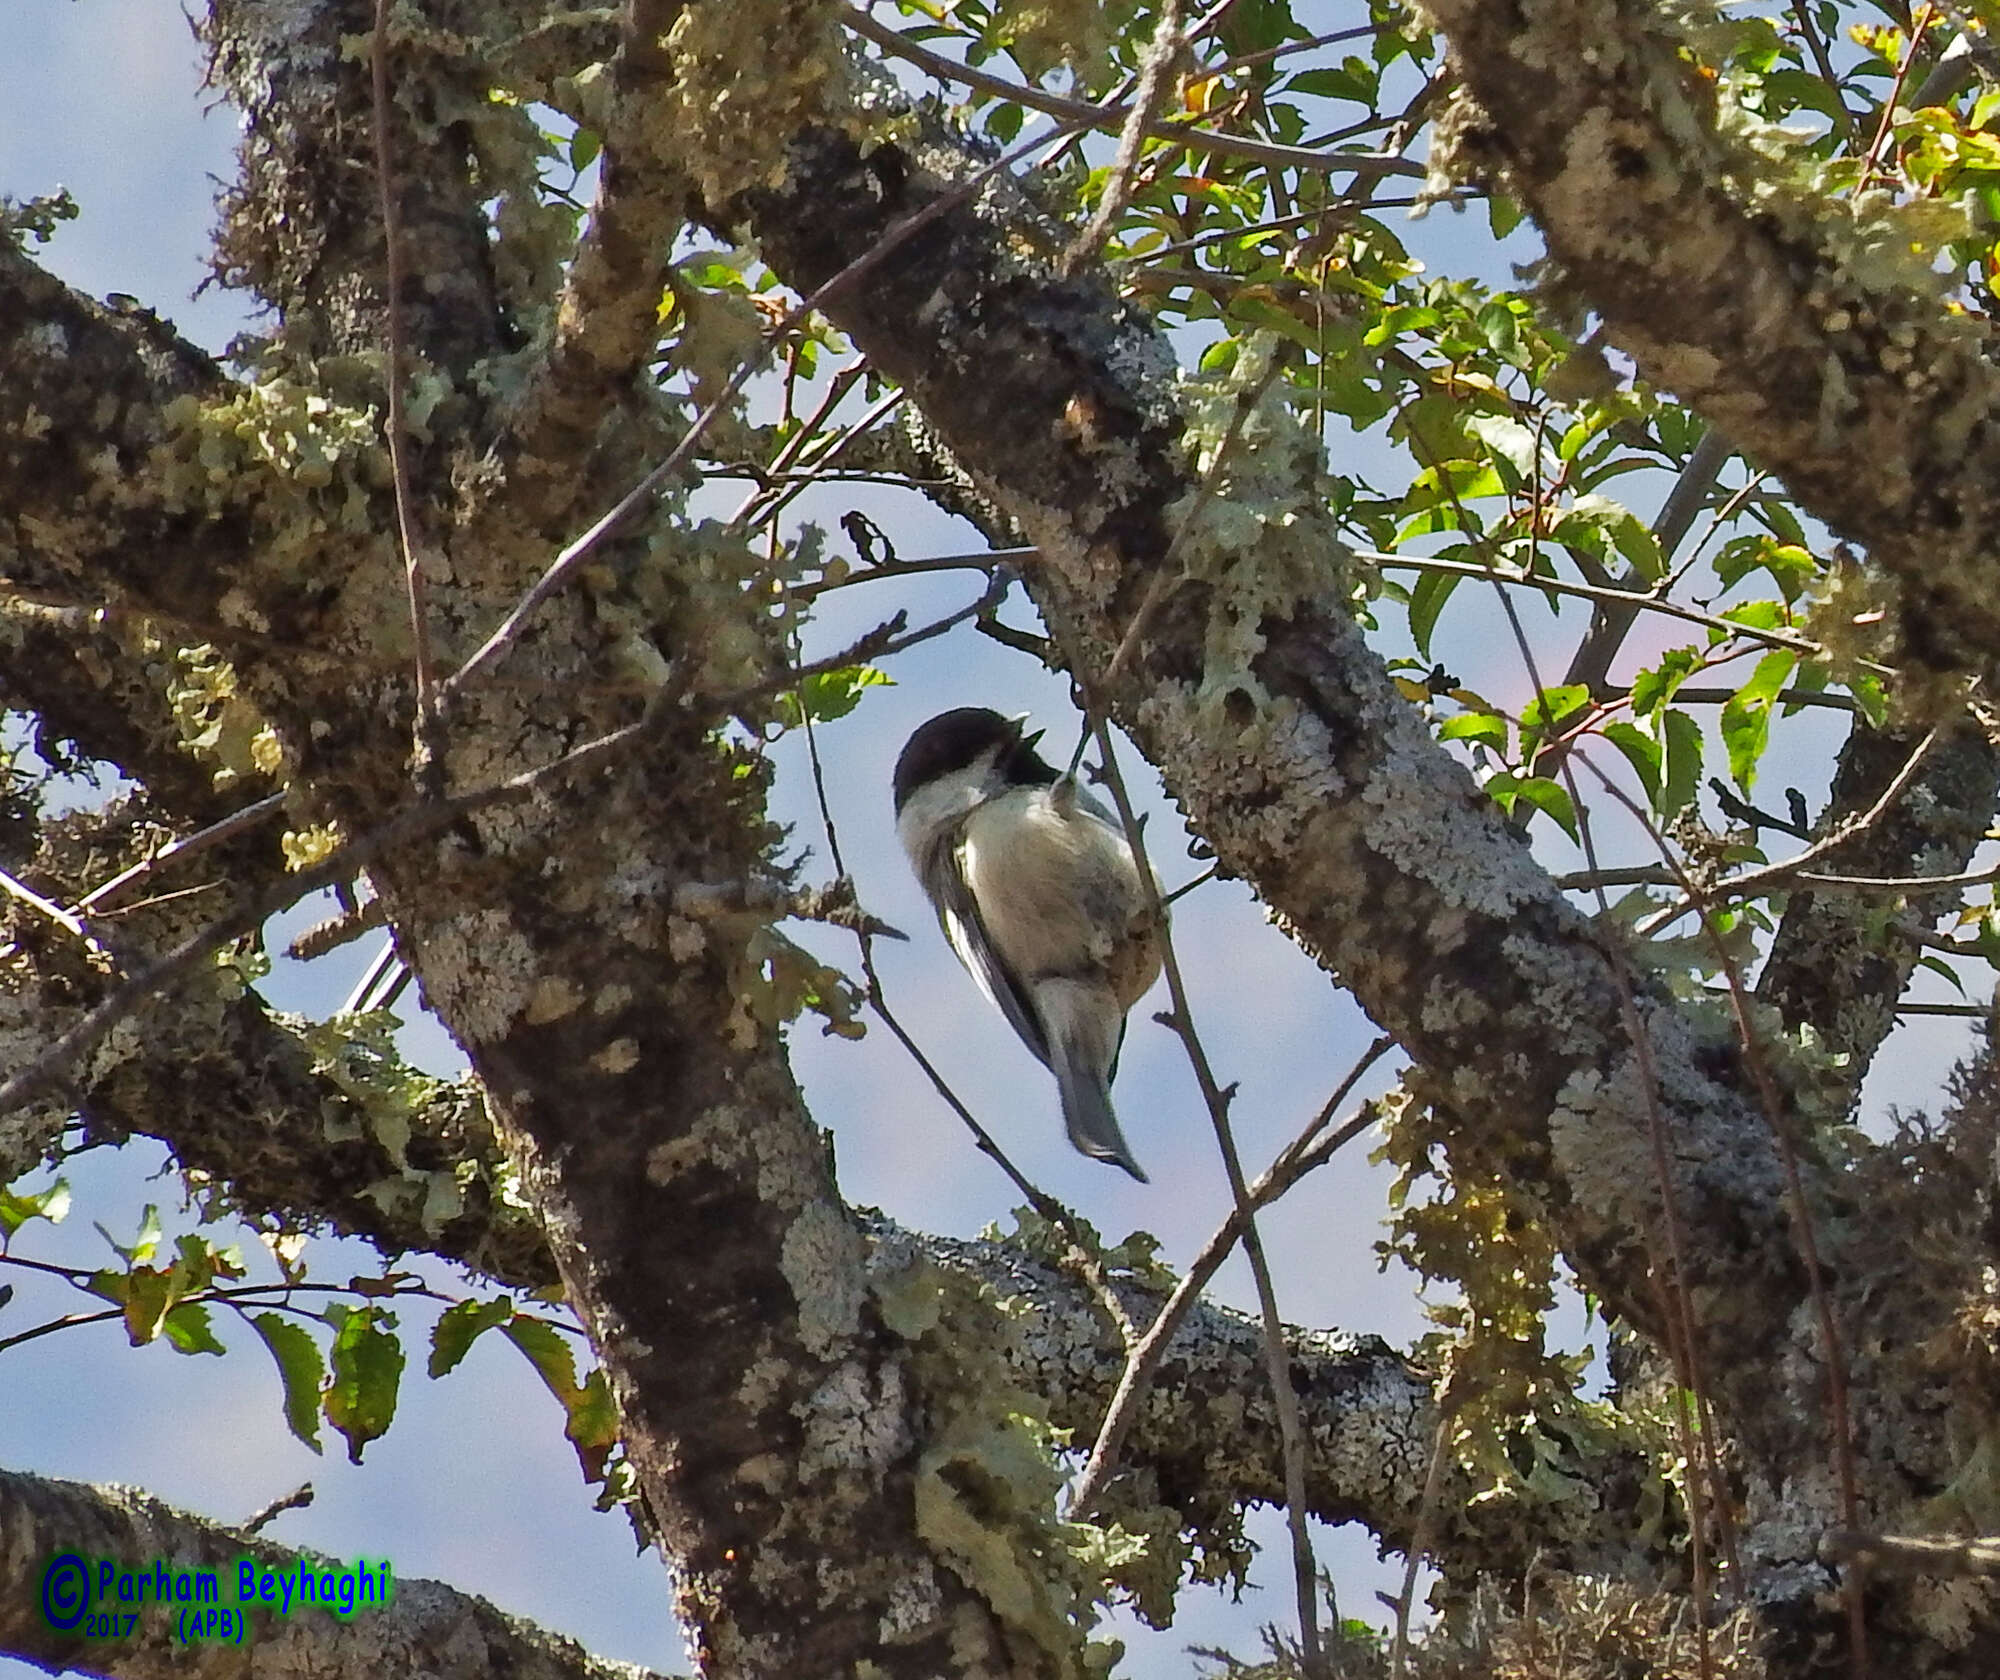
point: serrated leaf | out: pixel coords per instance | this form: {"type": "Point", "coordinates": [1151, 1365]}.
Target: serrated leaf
{"type": "Point", "coordinates": [548, 1351]}
{"type": "Point", "coordinates": [592, 1425]}
{"type": "Point", "coordinates": [51, 1204]}
{"type": "Point", "coordinates": [458, 1327]}
{"type": "Point", "coordinates": [1654, 687]}
{"type": "Point", "coordinates": [829, 695]}
{"type": "Point", "coordinates": [1616, 524]}
{"type": "Point", "coordinates": [149, 1292]}
{"type": "Point", "coordinates": [1684, 754]}
{"type": "Point", "coordinates": [1870, 696]}
{"type": "Point", "coordinates": [1551, 709]}
{"type": "Point", "coordinates": [1551, 798]}
{"type": "Point", "coordinates": [367, 1368]}
{"type": "Point", "coordinates": [188, 1330]}
{"type": "Point", "coordinates": [1427, 598]}
{"type": "Point", "coordinates": [1507, 438]}
{"type": "Point", "coordinates": [1482, 727]}
{"type": "Point", "coordinates": [300, 1369]}
{"type": "Point", "coordinates": [1746, 715]}
{"type": "Point", "coordinates": [1646, 756]}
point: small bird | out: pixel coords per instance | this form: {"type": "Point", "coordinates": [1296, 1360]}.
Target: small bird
{"type": "Point", "coordinates": [1040, 897]}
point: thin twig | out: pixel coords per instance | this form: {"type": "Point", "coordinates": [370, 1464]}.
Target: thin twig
{"type": "Point", "coordinates": [1167, 46]}
{"type": "Point", "coordinates": [399, 463]}
{"type": "Point", "coordinates": [1640, 1039]}
{"type": "Point", "coordinates": [984, 562]}
{"type": "Point", "coordinates": [418, 822]}
{"type": "Point", "coordinates": [1772, 1107]}
{"type": "Point", "coordinates": [226, 829]}
{"type": "Point", "coordinates": [1082, 1257]}
{"type": "Point", "coordinates": [1844, 122]}
{"type": "Point", "coordinates": [1291, 1433]}
{"type": "Point", "coordinates": [1918, 25]}
{"type": "Point", "coordinates": [1413, 1559]}
{"type": "Point", "coordinates": [297, 1500]}
{"type": "Point", "coordinates": [1082, 114]}
{"type": "Point", "coordinates": [54, 912]}
{"type": "Point", "coordinates": [1299, 1157]}
{"type": "Point", "coordinates": [1597, 592]}
{"type": "Point", "coordinates": [1755, 880]}
{"type": "Point", "coordinates": [565, 564]}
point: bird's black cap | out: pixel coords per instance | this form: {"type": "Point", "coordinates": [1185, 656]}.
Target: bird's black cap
{"type": "Point", "coordinates": [952, 740]}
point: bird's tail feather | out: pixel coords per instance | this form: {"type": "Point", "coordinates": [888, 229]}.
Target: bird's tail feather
{"type": "Point", "coordinates": [1083, 1024]}
{"type": "Point", "coordinates": [1093, 1128]}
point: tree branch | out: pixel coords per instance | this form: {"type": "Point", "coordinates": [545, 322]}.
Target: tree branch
{"type": "Point", "coordinates": [428, 1628]}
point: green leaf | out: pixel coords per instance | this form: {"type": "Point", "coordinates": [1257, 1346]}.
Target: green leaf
{"type": "Point", "coordinates": [458, 1327]}
{"type": "Point", "coordinates": [549, 1351]}
{"type": "Point", "coordinates": [1611, 522]}
{"type": "Point", "coordinates": [1654, 687]}
{"type": "Point", "coordinates": [584, 145]}
{"type": "Point", "coordinates": [1500, 330]}
{"type": "Point", "coordinates": [1509, 440]}
{"type": "Point", "coordinates": [590, 1414]}
{"type": "Point", "coordinates": [1543, 793]}
{"type": "Point", "coordinates": [299, 1368]}
{"type": "Point", "coordinates": [592, 1425]}
{"type": "Point", "coordinates": [1552, 799]}
{"type": "Point", "coordinates": [1790, 567]}
{"type": "Point", "coordinates": [1684, 751]}
{"type": "Point", "coordinates": [149, 1292]}
{"type": "Point", "coordinates": [1482, 727]}
{"type": "Point", "coordinates": [360, 1397]}
{"type": "Point", "coordinates": [1870, 696]}
{"type": "Point", "coordinates": [188, 1330]}
{"type": "Point", "coordinates": [1646, 756]}
{"type": "Point", "coordinates": [830, 695]}
{"type": "Point", "coordinates": [1746, 716]}
{"type": "Point", "coordinates": [144, 1245]}
{"type": "Point", "coordinates": [51, 1204]}
{"type": "Point", "coordinates": [1427, 598]}
{"type": "Point", "coordinates": [1937, 965]}
{"type": "Point", "coordinates": [1554, 708]}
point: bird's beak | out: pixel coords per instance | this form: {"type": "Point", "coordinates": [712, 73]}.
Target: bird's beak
{"type": "Point", "coordinates": [1033, 740]}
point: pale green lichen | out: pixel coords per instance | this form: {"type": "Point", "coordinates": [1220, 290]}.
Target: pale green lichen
{"type": "Point", "coordinates": [748, 76]}
{"type": "Point", "coordinates": [1254, 527]}
{"type": "Point", "coordinates": [821, 1259]}
{"type": "Point", "coordinates": [216, 720]}
{"type": "Point", "coordinates": [987, 1481]}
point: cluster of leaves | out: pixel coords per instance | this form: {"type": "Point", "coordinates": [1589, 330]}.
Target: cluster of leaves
{"type": "Point", "coordinates": [340, 1363]}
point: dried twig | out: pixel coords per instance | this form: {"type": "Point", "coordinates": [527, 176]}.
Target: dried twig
{"type": "Point", "coordinates": [99, 897]}
{"type": "Point", "coordinates": [418, 822]}
{"type": "Point", "coordinates": [565, 564]}
{"type": "Point", "coordinates": [1083, 114]}
{"type": "Point", "coordinates": [1305, 1576]}
{"type": "Point", "coordinates": [1299, 1157]}
{"type": "Point", "coordinates": [399, 462]}
{"type": "Point", "coordinates": [1167, 46]}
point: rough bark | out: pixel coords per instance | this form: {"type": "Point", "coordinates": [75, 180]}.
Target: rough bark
{"type": "Point", "coordinates": [1875, 406]}
{"type": "Point", "coordinates": [629, 1055]}
{"type": "Point", "coordinates": [428, 1628]}
{"type": "Point", "coordinates": [1840, 961]}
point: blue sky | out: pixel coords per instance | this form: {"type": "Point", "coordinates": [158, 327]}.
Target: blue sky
{"type": "Point", "coordinates": [474, 1483]}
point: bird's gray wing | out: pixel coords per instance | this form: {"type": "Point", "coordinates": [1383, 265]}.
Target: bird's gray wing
{"type": "Point", "coordinates": [958, 912]}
